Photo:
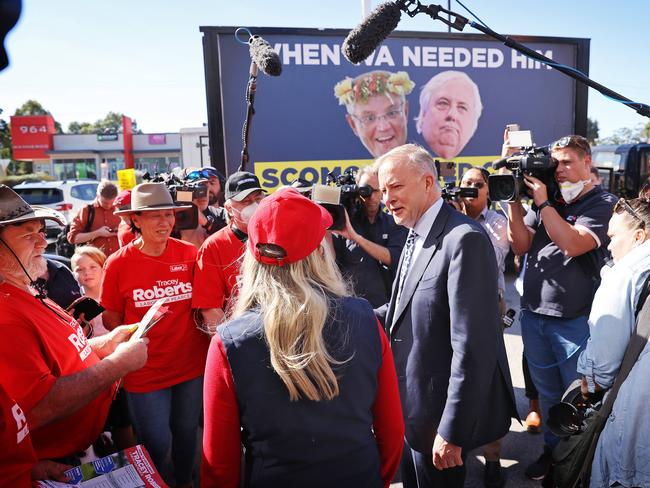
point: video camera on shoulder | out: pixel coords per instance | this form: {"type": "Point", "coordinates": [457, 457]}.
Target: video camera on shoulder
{"type": "Point", "coordinates": [450, 192]}
{"type": "Point", "coordinates": [532, 161]}
{"type": "Point", "coordinates": [183, 191]}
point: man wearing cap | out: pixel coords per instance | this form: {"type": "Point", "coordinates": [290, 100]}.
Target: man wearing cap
{"type": "Point", "coordinates": [63, 381]}
{"type": "Point", "coordinates": [217, 263]}
{"type": "Point", "coordinates": [377, 110]}
{"type": "Point", "coordinates": [102, 231]}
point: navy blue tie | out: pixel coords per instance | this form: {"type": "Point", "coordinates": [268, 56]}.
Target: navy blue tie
{"type": "Point", "coordinates": [406, 262]}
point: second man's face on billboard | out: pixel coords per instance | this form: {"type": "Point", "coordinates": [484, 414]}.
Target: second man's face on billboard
{"type": "Point", "coordinates": [450, 119]}
{"type": "Point", "coordinates": [380, 123]}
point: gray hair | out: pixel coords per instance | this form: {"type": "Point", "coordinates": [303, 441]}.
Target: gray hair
{"type": "Point", "coordinates": [412, 155]}
{"type": "Point", "coordinates": [435, 83]}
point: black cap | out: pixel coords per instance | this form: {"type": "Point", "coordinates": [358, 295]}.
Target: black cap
{"type": "Point", "coordinates": [240, 185]}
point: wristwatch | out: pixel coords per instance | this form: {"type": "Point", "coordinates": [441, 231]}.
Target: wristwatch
{"type": "Point", "coordinates": [543, 205]}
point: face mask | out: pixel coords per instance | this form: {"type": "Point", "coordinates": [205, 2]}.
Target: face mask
{"type": "Point", "coordinates": [246, 214]}
{"type": "Point", "coordinates": [570, 191]}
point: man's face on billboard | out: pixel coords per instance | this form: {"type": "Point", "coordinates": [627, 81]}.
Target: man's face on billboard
{"type": "Point", "coordinates": [380, 123]}
{"type": "Point", "coordinates": [450, 120]}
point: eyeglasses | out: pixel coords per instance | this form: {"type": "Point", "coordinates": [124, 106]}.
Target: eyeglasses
{"type": "Point", "coordinates": [372, 119]}
{"type": "Point", "coordinates": [623, 206]}
{"type": "Point", "coordinates": [573, 141]}
{"type": "Point", "coordinates": [474, 184]}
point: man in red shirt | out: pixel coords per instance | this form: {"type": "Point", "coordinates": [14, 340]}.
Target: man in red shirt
{"type": "Point", "coordinates": [218, 260]}
{"type": "Point", "coordinates": [102, 232]}
{"type": "Point", "coordinates": [63, 381]}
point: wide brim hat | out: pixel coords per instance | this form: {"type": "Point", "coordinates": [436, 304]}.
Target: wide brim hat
{"type": "Point", "coordinates": [151, 196]}
{"type": "Point", "coordinates": [15, 210]}
{"type": "Point", "coordinates": [286, 227]}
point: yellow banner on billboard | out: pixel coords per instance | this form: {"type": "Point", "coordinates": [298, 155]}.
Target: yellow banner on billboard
{"type": "Point", "coordinates": [126, 178]}
{"type": "Point", "coordinates": [275, 174]}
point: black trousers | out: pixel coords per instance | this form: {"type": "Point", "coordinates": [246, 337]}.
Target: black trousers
{"type": "Point", "coordinates": [418, 471]}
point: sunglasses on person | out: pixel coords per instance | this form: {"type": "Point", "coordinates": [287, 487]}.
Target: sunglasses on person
{"type": "Point", "coordinates": [623, 206]}
{"type": "Point", "coordinates": [203, 173]}
{"type": "Point", "coordinates": [578, 142]}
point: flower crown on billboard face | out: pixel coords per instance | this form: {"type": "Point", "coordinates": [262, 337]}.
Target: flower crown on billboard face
{"type": "Point", "coordinates": [351, 90]}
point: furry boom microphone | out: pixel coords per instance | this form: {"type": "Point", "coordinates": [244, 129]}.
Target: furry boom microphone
{"type": "Point", "coordinates": [365, 38]}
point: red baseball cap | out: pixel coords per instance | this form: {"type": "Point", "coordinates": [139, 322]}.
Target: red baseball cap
{"type": "Point", "coordinates": [286, 228]}
{"type": "Point", "coordinates": [123, 199]}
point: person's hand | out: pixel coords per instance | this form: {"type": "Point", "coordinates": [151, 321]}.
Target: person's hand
{"type": "Point", "coordinates": [131, 355]}
{"type": "Point", "coordinates": [348, 231]}
{"type": "Point", "coordinates": [445, 454]}
{"type": "Point", "coordinates": [203, 220]}
{"type": "Point", "coordinates": [104, 231]}
{"type": "Point", "coordinates": [584, 389]}
{"type": "Point", "coordinates": [49, 470]}
{"type": "Point", "coordinates": [106, 344]}
{"type": "Point", "coordinates": [458, 205]}
{"type": "Point", "coordinates": [506, 149]}
{"type": "Point", "coordinates": [537, 189]}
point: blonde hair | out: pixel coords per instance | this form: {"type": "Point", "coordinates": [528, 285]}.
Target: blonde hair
{"type": "Point", "coordinates": [293, 303]}
{"type": "Point", "coordinates": [92, 252]}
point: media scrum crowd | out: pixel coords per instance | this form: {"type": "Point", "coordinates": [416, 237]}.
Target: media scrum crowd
{"type": "Point", "coordinates": [313, 347]}
{"type": "Point", "coordinates": [317, 357]}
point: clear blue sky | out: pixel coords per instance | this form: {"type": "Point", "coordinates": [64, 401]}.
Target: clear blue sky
{"type": "Point", "coordinates": [82, 59]}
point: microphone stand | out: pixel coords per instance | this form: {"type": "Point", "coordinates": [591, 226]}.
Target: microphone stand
{"type": "Point", "coordinates": [251, 87]}
{"type": "Point", "coordinates": [414, 7]}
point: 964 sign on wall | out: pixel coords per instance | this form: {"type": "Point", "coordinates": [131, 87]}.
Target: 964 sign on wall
{"type": "Point", "coordinates": [32, 136]}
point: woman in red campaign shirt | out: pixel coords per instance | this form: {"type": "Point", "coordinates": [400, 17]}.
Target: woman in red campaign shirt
{"type": "Point", "coordinates": [303, 375]}
{"type": "Point", "coordinates": [165, 396]}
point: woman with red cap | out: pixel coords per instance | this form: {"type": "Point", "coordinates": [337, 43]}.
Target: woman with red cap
{"type": "Point", "coordinates": [302, 375]}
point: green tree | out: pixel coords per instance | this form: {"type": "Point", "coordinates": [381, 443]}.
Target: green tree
{"type": "Point", "coordinates": [646, 132]}
{"type": "Point", "coordinates": [32, 107]}
{"type": "Point", "coordinates": [625, 135]}
{"type": "Point", "coordinates": [110, 124]}
{"type": "Point", "coordinates": [592, 130]}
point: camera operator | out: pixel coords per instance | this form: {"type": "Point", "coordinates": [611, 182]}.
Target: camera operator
{"type": "Point", "coordinates": [566, 243]}
{"type": "Point", "coordinates": [495, 226]}
{"type": "Point", "coordinates": [211, 219]}
{"type": "Point", "coordinates": [368, 248]}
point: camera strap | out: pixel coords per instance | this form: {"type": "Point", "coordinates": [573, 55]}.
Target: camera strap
{"type": "Point", "coordinates": [242, 236]}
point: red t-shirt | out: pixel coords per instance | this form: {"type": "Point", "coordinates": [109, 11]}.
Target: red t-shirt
{"type": "Point", "coordinates": [17, 456]}
{"type": "Point", "coordinates": [217, 269]}
{"type": "Point", "coordinates": [36, 348]}
{"type": "Point", "coordinates": [132, 283]}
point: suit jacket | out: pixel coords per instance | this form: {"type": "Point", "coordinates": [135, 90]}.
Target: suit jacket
{"type": "Point", "coordinates": [447, 339]}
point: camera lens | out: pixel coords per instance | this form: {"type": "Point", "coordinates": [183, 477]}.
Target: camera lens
{"type": "Point", "coordinates": [564, 419]}
{"type": "Point", "coordinates": [503, 188]}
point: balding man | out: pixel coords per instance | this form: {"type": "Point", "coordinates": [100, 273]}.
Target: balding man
{"type": "Point", "coordinates": [450, 106]}
{"type": "Point", "coordinates": [444, 327]}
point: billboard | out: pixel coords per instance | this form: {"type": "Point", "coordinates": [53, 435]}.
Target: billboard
{"type": "Point", "coordinates": [325, 114]}
{"type": "Point", "coordinates": [32, 136]}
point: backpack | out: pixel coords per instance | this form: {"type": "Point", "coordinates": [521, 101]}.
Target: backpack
{"type": "Point", "coordinates": [62, 245]}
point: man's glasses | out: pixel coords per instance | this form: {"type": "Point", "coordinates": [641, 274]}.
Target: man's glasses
{"type": "Point", "coordinates": [372, 119]}
{"type": "Point", "coordinates": [572, 141]}
{"type": "Point", "coordinates": [474, 184]}
{"type": "Point", "coordinates": [623, 206]}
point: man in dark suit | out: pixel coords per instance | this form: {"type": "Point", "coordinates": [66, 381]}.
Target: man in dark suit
{"type": "Point", "coordinates": [443, 325]}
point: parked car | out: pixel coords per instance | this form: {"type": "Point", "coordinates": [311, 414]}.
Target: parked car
{"type": "Point", "coordinates": [66, 197]}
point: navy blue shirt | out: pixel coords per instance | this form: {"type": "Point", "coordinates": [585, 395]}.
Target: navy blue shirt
{"type": "Point", "coordinates": [371, 279]}
{"type": "Point", "coordinates": [554, 283]}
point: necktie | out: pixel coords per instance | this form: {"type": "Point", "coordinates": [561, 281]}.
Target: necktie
{"type": "Point", "coordinates": [406, 263]}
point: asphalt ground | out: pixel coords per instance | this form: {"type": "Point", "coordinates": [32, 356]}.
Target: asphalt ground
{"type": "Point", "coordinates": [519, 448]}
